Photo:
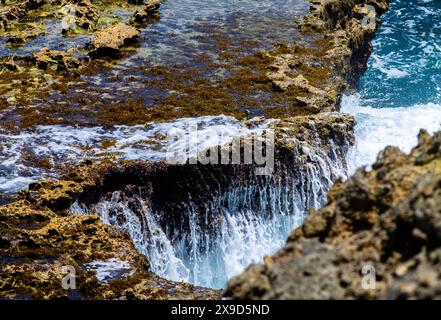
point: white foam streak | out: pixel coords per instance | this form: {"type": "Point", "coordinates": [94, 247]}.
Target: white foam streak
{"type": "Point", "coordinates": [391, 72]}
{"type": "Point", "coordinates": [380, 127]}
{"type": "Point", "coordinates": [67, 144]}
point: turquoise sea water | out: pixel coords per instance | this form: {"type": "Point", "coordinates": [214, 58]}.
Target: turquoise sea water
{"type": "Point", "coordinates": [400, 93]}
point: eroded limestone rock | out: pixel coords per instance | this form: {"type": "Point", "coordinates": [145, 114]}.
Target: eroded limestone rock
{"type": "Point", "coordinates": [41, 243]}
{"type": "Point", "coordinates": [56, 60]}
{"type": "Point", "coordinates": [82, 12]}
{"type": "Point", "coordinates": [148, 13]}
{"type": "Point", "coordinates": [335, 59]}
{"type": "Point", "coordinates": [13, 10]}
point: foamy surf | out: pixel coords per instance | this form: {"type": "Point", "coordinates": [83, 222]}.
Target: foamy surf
{"type": "Point", "coordinates": [380, 127]}
{"type": "Point", "coordinates": [67, 144]}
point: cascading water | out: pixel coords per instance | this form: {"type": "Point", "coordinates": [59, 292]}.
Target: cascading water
{"type": "Point", "coordinates": [400, 93]}
{"type": "Point", "coordinates": [235, 228]}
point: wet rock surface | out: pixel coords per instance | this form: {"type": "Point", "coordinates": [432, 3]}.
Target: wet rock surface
{"type": "Point", "coordinates": [168, 188]}
{"type": "Point", "coordinates": [56, 60]}
{"type": "Point", "coordinates": [80, 13]}
{"type": "Point", "coordinates": [304, 80]}
{"type": "Point", "coordinates": [302, 77]}
{"type": "Point", "coordinates": [177, 191]}
{"type": "Point", "coordinates": [14, 10]}
{"type": "Point", "coordinates": [385, 220]}
{"type": "Point", "coordinates": [41, 243]}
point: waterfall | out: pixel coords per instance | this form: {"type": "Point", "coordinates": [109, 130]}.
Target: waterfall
{"type": "Point", "coordinates": [218, 239]}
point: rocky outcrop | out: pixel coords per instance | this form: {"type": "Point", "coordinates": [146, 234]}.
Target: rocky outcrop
{"type": "Point", "coordinates": [82, 12]}
{"type": "Point", "coordinates": [109, 41]}
{"type": "Point", "coordinates": [41, 244]}
{"type": "Point", "coordinates": [377, 238]}
{"type": "Point", "coordinates": [326, 15]}
{"type": "Point", "coordinates": [56, 60]}
{"type": "Point", "coordinates": [148, 13]}
{"type": "Point", "coordinates": [333, 60]}
{"type": "Point", "coordinates": [18, 37]}
{"type": "Point", "coordinates": [14, 10]}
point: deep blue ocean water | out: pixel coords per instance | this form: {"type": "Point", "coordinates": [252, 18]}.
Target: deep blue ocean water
{"type": "Point", "coordinates": [400, 93]}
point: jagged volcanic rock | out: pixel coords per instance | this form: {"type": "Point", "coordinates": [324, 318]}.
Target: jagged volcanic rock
{"type": "Point", "coordinates": [387, 218]}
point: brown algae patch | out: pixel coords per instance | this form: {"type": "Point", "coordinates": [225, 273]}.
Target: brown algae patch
{"type": "Point", "coordinates": [233, 82]}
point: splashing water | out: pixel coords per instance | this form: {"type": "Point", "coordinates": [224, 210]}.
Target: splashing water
{"type": "Point", "coordinates": [380, 127]}
{"type": "Point", "coordinates": [67, 144]}
{"type": "Point", "coordinates": [250, 221]}
{"type": "Point", "coordinates": [400, 92]}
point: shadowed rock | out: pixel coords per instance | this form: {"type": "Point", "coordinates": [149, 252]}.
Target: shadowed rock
{"type": "Point", "coordinates": [17, 11]}
{"type": "Point", "coordinates": [56, 60]}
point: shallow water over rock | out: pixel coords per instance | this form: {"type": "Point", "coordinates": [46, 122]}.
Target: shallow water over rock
{"type": "Point", "coordinates": [35, 154]}
{"type": "Point", "coordinates": [196, 57]}
{"type": "Point", "coordinates": [170, 62]}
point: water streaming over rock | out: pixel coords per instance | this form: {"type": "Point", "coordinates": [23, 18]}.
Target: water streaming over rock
{"type": "Point", "coordinates": [70, 144]}
{"type": "Point", "coordinates": [218, 239]}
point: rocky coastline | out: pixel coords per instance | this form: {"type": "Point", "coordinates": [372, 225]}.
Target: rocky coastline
{"type": "Point", "coordinates": [361, 224]}
{"type": "Point", "coordinates": [386, 219]}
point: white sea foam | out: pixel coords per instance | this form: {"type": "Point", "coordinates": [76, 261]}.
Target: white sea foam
{"type": "Point", "coordinates": [62, 144]}
{"type": "Point", "coordinates": [380, 127]}
{"type": "Point", "coordinates": [112, 269]}
{"type": "Point", "coordinates": [390, 72]}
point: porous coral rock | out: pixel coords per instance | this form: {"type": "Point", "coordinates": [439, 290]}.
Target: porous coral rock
{"type": "Point", "coordinates": [56, 60]}
{"type": "Point", "coordinates": [387, 219]}
{"type": "Point", "coordinates": [82, 12]}
{"type": "Point", "coordinates": [41, 244]}
{"type": "Point", "coordinates": [110, 40]}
